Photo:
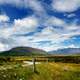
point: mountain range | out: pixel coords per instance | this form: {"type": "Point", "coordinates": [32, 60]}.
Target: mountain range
{"type": "Point", "coordinates": [66, 51]}
{"type": "Point", "coordinates": [29, 51]}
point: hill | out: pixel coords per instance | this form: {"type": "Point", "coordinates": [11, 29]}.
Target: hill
{"type": "Point", "coordinates": [23, 51]}
{"type": "Point", "coordinates": [66, 51]}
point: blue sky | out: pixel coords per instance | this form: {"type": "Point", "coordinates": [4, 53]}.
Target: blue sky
{"type": "Point", "coordinates": [43, 24]}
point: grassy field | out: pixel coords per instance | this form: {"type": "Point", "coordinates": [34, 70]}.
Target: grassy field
{"type": "Point", "coordinates": [44, 71]}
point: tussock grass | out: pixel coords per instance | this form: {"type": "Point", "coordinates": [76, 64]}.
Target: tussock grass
{"type": "Point", "coordinates": [44, 71]}
{"type": "Point", "coordinates": [57, 71]}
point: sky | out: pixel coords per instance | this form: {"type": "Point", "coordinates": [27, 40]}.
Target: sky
{"type": "Point", "coordinates": [44, 24]}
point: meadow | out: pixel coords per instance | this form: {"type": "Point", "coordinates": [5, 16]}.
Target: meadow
{"type": "Point", "coordinates": [45, 70]}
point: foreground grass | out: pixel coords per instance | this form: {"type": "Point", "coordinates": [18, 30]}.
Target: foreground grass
{"type": "Point", "coordinates": [58, 71]}
{"type": "Point", "coordinates": [44, 71]}
{"type": "Point", "coordinates": [15, 72]}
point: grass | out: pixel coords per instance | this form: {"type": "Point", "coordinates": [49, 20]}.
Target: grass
{"type": "Point", "coordinates": [16, 72]}
{"type": "Point", "coordinates": [44, 71]}
{"type": "Point", "coordinates": [57, 71]}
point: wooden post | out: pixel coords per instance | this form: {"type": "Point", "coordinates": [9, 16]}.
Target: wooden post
{"type": "Point", "coordinates": [34, 67]}
{"type": "Point", "coordinates": [47, 60]}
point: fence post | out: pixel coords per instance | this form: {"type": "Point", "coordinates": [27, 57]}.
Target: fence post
{"type": "Point", "coordinates": [34, 66]}
{"type": "Point", "coordinates": [47, 60]}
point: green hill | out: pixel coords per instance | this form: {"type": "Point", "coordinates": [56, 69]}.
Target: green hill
{"type": "Point", "coordinates": [23, 51]}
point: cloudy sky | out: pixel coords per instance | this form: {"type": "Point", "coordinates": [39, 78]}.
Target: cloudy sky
{"type": "Point", "coordinates": [43, 24]}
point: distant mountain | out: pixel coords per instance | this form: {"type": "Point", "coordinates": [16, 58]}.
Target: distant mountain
{"type": "Point", "coordinates": [66, 51]}
{"type": "Point", "coordinates": [23, 51]}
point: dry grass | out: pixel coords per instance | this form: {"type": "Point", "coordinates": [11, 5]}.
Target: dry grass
{"type": "Point", "coordinates": [44, 71]}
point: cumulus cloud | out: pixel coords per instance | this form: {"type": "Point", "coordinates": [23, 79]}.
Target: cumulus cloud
{"type": "Point", "coordinates": [25, 25]}
{"type": "Point", "coordinates": [20, 26]}
{"type": "Point", "coordinates": [66, 5]}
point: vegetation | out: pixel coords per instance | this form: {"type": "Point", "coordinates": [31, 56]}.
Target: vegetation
{"type": "Point", "coordinates": [15, 72]}
{"type": "Point", "coordinates": [44, 71]}
{"type": "Point", "coordinates": [12, 66]}
{"type": "Point", "coordinates": [64, 59]}
{"type": "Point", "coordinates": [23, 51]}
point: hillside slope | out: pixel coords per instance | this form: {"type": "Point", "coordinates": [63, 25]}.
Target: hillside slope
{"type": "Point", "coordinates": [23, 51]}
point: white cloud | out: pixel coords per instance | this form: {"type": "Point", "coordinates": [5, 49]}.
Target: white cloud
{"type": "Point", "coordinates": [4, 18]}
{"type": "Point", "coordinates": [72, 27]}
{"type": "Point", "coordinates": [6, 32]}
{"type": "Point", "coordinates": [71, 30]}
{"type": "Point", "coordinates": [33, 4]}
{"type": "Point", "coordinates": [3, 47]}
{"type": "Point", "coordinates": [47, 34]}
{"type": "Point", "coordinates": [29, 24]}
{"type": "Point", "coordinates": [54, 21]}
{"type": "Point", "coordinates": [20, 26]}
{"type": "Point", "coordinates": [36, 6]}
{"type": "Point", "coordinates": [66, 5]}
{"type": "Point", "coordinates": [25, 25]}
{"type": "Point", "coordinates": [50, 34]}
{"type": "Point", "coordinates": [12, 2]}
{"type": "Point", "coordinates": [57, 46]}
{"type": "Point", "coordinates": [56, 37]}
{"type": "Point", "coordinates": [70, 15]}
{"type": "Point", "coordinates": [72, 46]}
